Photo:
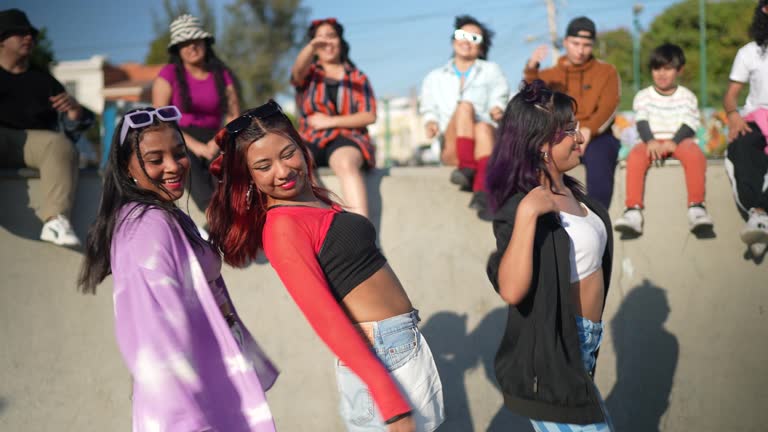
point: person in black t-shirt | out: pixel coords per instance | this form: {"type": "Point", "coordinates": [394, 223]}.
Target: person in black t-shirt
{"type": "Point", "coordinates": [37, 119]}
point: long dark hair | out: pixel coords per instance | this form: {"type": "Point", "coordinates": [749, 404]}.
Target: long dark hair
{"type": "Point", "coordinates": [235, 217]}
{"type": "Point", "coordinates": [312, 30]}
{"type": "Point", "coordinates": [485, 45]}
{"type": "Point", "coordinates": [759, 28]}
{"type": "Point", "coordinates": [212, 64]}
{"type": "Point", "coordinates": [118, 190]}
{"type": "Point", "coordinates": [536, 116]}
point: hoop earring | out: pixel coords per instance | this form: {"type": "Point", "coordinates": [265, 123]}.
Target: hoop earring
{"type": "Point", "coordinates": [248, 196]}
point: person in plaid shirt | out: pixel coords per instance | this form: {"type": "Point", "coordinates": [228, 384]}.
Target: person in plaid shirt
{"type": "Point", "coordinates": [336, 103]}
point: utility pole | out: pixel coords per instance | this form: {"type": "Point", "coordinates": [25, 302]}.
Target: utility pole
{"type": "Point", "coordinates": [552, 22]}
{"type": "Point", "coordinates": [636, 9]}
{"type": "Point", "coordinates": [702, 54]}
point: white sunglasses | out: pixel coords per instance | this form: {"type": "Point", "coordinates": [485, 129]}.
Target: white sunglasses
{"type": "Point", "coordinates": [142, 118]}
{"type": "Point", "coordinates": [474, 38]}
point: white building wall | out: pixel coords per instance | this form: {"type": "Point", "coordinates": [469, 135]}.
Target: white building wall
{"type": "Point", "coordinates": [87, 79]}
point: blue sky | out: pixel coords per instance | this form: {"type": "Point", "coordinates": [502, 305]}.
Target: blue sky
{"type": "Point", "coordinates": [396, 42]}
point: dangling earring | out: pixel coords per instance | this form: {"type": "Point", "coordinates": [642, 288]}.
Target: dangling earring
{"type": "Point", "coordinates": [545, 157]}
{"type": "Point", "coordinates": [248, 196]}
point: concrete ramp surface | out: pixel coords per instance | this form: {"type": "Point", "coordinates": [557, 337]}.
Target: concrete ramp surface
{"type": "Point", "coordinates": [685, 348]}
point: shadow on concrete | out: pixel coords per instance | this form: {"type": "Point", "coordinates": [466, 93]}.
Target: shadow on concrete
{"type": "Point", "coordinates": [446, 333]}
{"type": "Point", "coordinates": [18, 217]}
{"type": "Point", "coordinates": [646, 359]}
{"type": "Point", "coordinates": [3, 404]}
{"type": "Point", "coordinates": [455, 352]}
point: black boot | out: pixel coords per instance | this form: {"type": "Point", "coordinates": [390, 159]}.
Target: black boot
{"type": "Point", "coordinates": [463, 177]}
{"type": "Point", "coordinates": [479, 202]}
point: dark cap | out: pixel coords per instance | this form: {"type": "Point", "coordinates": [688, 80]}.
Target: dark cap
{"type": "Point", "coordinates": [581, 27]}
{"type": "Point", "coordinates": [14, 20]}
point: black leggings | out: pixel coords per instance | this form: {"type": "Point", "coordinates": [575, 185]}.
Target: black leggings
{"type": "Point", "coordinates": [747, 166]}
{"type": "Point", "coordinates": [200, 179]}
{"type": "Point", "coordinates": [323, 155]}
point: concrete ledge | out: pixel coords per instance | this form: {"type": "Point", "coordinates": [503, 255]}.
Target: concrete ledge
{"type": "Point", "coordinates": [686, 318]}
{"type": "Point", "coordinates": [32, 173]}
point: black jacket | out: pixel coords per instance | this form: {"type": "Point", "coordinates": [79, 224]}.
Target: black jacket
{"type": "Point", "coordinates": [538, 364]}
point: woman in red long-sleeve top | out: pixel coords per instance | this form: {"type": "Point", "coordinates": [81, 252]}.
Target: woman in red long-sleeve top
{"type": "Point", "coordinates": [328, 261]}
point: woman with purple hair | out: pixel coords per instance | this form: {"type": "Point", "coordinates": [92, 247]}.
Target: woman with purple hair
{"type": "Point", "coordinates": [552, 265]}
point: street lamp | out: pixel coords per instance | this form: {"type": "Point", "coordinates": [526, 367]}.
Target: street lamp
{"type": "Point", "coordinates": [702, 54]}
{"type": "Point", "coordinates": [636, 9]}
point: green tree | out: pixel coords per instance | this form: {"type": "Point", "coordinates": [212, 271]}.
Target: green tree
{"type": "Point", "coordinates": [171, 9]}
{"type": "Point", "coordinates": [726, 23]}
{"type": "Point", "coordinates": [260, 39]}
{"type": "Point", "coordinates": [42, 54]}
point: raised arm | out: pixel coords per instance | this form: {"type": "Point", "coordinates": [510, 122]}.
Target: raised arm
{"type": "Point", "coordinates": [289, 249]}
{"type": "Point", "coordinates": [515, 242]}
{"type": "Point", "coordinates": [531, 71]}
{"type": "Point", "coordinates": [303, 63]}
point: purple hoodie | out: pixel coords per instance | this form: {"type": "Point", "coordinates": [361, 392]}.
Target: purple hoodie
{"type": "Point", "coordinates": [189, 372]}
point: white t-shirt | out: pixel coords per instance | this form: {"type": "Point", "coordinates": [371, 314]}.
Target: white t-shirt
{"type": "Point", "coordinates": [751, 67]}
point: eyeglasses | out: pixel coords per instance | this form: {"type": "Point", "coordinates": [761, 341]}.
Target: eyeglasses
{"type": "Point", "coordinates": [261, 112]}
{"type": "Point", "coordinates": [572, 132]}
{"type": "Point", "coordinates": [144, 117]}
{"type": "Point", "coordinates": [317, 22]}
{"type": "Point", "coordinates": [474, 38]}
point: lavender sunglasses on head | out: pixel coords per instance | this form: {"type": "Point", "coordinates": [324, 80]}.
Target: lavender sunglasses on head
{"type": "Point", "coordinates": [144, 117]}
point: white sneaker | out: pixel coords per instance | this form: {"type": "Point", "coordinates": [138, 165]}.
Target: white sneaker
{"type": "Point", "coordinates": [59, 232]}
{"type": "Point", "coordinates": [758, 249]}
{"type": "Point", "coordinates": [698, 218]}
{"type": "Point", "coordinates": [631, 222]}
{"type": "Point", "coordinates": [756, 228]}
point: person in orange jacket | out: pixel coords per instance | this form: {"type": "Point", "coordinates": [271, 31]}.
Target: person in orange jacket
{"type": "Point", "coordinates": [596, 86]}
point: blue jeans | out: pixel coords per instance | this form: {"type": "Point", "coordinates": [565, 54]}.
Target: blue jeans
{"type": "Point", "coordinates": [590, 337]}
{"type": "Point", "coordinates": [402, 349]}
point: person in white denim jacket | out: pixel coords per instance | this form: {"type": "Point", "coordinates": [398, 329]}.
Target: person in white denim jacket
{"type": "Point", "coordinates": [462, 100]}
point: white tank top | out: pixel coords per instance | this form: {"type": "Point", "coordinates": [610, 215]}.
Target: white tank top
{"type": "Point", "coordinates": [588, 239]}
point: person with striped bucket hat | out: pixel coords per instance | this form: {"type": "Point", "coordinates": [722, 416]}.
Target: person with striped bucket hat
{"type": "Point", "coordinates": [203, 87]}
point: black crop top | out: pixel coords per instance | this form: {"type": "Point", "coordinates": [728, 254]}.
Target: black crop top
{"type": "Point", "coordinates": [344, 244]}
{"type": "Point", "coordinates": [349, 254]}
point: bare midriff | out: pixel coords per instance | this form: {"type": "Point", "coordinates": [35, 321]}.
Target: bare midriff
{"type": "Point", "coordinates": [379, 297]}
{"type": "Point", "coordinates": [587, 296]}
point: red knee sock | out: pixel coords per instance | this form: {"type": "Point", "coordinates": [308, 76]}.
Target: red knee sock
{"type": "Point", "coordinates": [465, 151]}
{"type": "Point", "coordinates": [479, 183]}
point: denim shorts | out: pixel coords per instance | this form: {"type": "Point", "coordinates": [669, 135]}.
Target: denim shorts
{"type": "Point", "coordinates": [590, 337]}
{"type": "Point", "coordinates": [402, 349]}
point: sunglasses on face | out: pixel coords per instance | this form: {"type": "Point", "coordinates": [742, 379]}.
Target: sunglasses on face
{"type": "Point", "coordinates": [474, 38]}
{"type": "Point", "coordinates": [142, 118]}
{"type": "Point", "coordinates": [261, 112]}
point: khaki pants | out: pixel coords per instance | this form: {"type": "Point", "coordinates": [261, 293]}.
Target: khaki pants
{"type": "Point", "coordinates": [54, 155]}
